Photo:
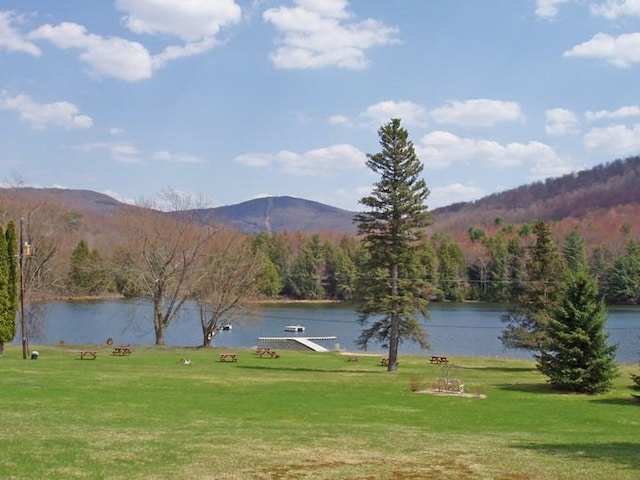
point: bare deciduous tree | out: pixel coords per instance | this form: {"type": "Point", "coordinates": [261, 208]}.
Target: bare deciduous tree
{"type": "Point", "coordinates": [167, 248]}
{"type": "Point", "coordinates": [229, 279]}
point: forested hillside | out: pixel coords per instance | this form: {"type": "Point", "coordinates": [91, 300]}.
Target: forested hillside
{"type": "Point", "coordinates": [81, 240]}
{"type": "Point", "coordinates": [598, 202]}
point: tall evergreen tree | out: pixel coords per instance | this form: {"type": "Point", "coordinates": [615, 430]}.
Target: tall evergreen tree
{"type": "Point", "coordinates": [13, 250]}
{"type": "Point", "coordinates": [5, 329]}
{"type": "Point", "coordinates": [528, 318]}
{"type": "Point", "coordinates": [87, 271]}
{"type": "Point", "coordinates": [623, 281]}
{"type": "Point", "coordinates": [390, 291]}
{"type": "Point", "coordinates": [576, 356]}
{"type": "Point", "coordinates": [574, 252]}
{"type": "Point", "coordinates": [452, 268]}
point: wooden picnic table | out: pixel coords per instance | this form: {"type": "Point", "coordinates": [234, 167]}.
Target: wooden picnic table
{"type": "Point", "coordinates": [439, 359]}
{"type": "Point", "coordinates": [261, 351]}
{"type": "Point", "coordinates": [121, 351]}
{"type": "Point", "coordinates": [385, 361]}
{"type": "Point", "coordinates": [353, 358]}
{"type": "Point", "coordinates": [228, 357]}
{"type": "Point", "coordinates": [87, 355]}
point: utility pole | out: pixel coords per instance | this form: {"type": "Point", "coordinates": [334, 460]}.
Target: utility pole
{"type": "Point", "coordinates": [22, 317]}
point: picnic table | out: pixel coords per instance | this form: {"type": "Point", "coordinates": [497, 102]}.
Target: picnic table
{"type": "Point", "coordinates": [261, 351]}
{"type": "Point", "coordinates": [121, 351]}
{"type": "Point", "coordinates": [384, 361]}
{"type": "Point", "coordinates": [439, 360]}
{"type": "Point", "coordinates": [353, 358]}
{"type": "Point", "coordinates": [87, 355]}
{"type": "Point", "coordinates": [228, 357]}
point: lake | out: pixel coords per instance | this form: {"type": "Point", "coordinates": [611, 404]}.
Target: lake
{"type": "Point", "coordinates": [467, 329]}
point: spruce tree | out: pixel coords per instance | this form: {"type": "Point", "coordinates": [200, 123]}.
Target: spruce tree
{"type": "Point", "coordinates": [391, 288]}
{"type": "Point", "coordinates": [576, 356]}
{"type": "Point", "coordinates": [528, 318]}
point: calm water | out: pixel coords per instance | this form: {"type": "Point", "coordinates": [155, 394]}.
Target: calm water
{"type": "Point", "coordinates": [454, 329]}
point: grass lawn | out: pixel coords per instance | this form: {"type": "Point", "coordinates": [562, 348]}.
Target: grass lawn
{"type": "Point", "coordinates": [301, 416]}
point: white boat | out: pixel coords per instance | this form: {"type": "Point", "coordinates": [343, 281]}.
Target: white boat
{"type": "Point", "coordinates": [294, 328]}
{"type": "Point", "coordinates": [225, 327]}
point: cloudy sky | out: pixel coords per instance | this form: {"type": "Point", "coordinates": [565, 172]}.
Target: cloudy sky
{"type": "Point", "coordinates": [230, 100]}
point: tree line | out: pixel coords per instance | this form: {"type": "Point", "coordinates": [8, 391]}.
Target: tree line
{"type": "Point", "coordinates": [307, 267]}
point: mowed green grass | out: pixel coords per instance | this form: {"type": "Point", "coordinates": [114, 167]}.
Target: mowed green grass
{"type": "Point", "coordinates": [303, 416]}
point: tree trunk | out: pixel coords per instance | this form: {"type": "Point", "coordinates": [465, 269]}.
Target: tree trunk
{"type": "Point", "coordinates": [158, 320]}
{"type": "Point", "coordinates": [395, 322]}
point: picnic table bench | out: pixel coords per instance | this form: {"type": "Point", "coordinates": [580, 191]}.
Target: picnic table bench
{"type": "Point", "coordinates": [87, 355]}
{"type": "Point", "coordinates": [228, 357]}
{"type": "Point", "coordinates": [261, 351]}
{"type": "Point", "coordinates": [384, 361]}
{"type": "Point", "coordinates": [121, 351]}
{"type": "Point", "coordinates": [353, 358]}
{"type": "Point", "coordinates": [439, 359]}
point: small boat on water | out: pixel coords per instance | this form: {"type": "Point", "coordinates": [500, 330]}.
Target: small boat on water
{"type": "Point", "coordinates": [225, 328]}
{"type": "Point", "coordinates": [294, 328]}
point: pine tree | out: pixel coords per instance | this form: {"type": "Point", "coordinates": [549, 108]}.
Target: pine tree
{"type": "Point", "coordinates": [576, 356]}
{"type": "Point", "coordinates": [623, 282]}
{"type": "Point", "coordinates": [636, 381]}
{"type": "Point", "coordinates": [528, 319]}
{"type": "Point", "coordinates": [573, 251]}
{"type": "Point", "coordinates": [390, 289]}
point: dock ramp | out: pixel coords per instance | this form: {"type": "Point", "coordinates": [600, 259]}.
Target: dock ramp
{"type": "Point", "coordinates": [307, 342]}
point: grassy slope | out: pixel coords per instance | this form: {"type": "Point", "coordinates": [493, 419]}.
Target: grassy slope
{"type": "Point", "coordinates": [305, 415]}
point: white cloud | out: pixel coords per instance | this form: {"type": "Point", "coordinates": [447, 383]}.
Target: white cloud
{"type": "Point", "coordinates": [11, 40]}
{"type": "Point", "coordinates": [622, 51]}
{"type": "Point", "coordinates": [320, 33]}
{"type": "Point", "coordinates": [194, 20]}
{"type": "Point", "coordinates": [479, 112]}
{"type": "Point", "coordinates": [111, 56]}
{"type": "Point", "coordinates": [340, 120]}
{"type": "Point", "coordinates": [174, 52]}
{"type": "Point", "coordinates": [121, 152]}
{"type": "Point", "coordinates": [381, 113]}
{"type": "Point", "coordinates": [622, 112]}
{"type": "Point", "coordinates": [613, 9]}
{"type": "Point", "coordinates": [319, 162]}
{"type": "Point", "coordinates": [548, 9]}
{"type": "Point", "coordinates": [560, 121]}
{"type": "Point", "coordinates": [550, 167]}
{"type": "Point", "coordinates": [170, 157]}
{"type": "Point", "coordinates": [454, 193]}
{"type": "Point", "coordinates": [440, 149]}
{"type": "Point", "coordinates": [189, 20]}
{"type": "Point", "coordinates": [614, 140]}
{"type": "Point", "coordinates": [42, 115]}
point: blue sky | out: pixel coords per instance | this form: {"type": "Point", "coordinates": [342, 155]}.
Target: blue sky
{"type": "Point", "coordinates": [229, 100]}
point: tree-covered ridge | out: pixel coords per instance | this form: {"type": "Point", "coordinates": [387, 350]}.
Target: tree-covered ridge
{"type": "Point", "coordinates": [486, 264]}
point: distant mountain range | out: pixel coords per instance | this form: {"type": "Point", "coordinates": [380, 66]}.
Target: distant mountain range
{"type": "Point", "coordinates": [278, 214]}
{"type": "Point", "coordinates": [588, 196]}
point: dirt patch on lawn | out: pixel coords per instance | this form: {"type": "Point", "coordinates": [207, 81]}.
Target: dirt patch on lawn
{"type": "Point", "coordinates": [441, 393]}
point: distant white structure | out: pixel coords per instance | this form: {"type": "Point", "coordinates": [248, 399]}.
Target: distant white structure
{"type": "Point", "coordinates": [305, 342]}
{"type": "Point", "coordinates": [294, 328]}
